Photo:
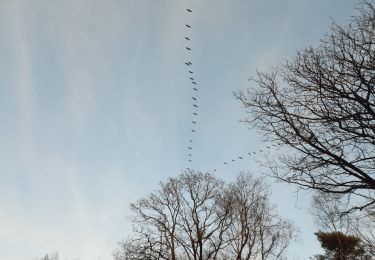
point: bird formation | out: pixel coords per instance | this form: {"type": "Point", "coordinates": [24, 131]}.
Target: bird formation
{"type": "Point", "coordinates": [253, 153]}
{"type": "Point", "coordinates": [248, 155]}
{"type": "Point", "coordinates": [194, 93]}
{"type": "Point", "coordinates": [195, 107]}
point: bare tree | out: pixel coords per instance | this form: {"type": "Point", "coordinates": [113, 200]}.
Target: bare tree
{"type": "Point", "coordinates": [322, 105]}
{"type": "Point", "coordinates": [50, 256]}
{"type": "Point", "coordinates": [197, 216]}
{"type": "Point", "coordinates": [155, 223]}
{"type": "Point", "coordinates": [255, 230]}
{"type": "Point", "coordinates": [365, 230]}
{"type": "Point", "coordinates": [202, 221]}
{"type": "Point", "coordinates": [327, 209]}
{"type": "Point", "coordinates": [180, 219]}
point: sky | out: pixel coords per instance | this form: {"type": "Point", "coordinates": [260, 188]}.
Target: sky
{"type": "Point", "coordinates": [96, 109]}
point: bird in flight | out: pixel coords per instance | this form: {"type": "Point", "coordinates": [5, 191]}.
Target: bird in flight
{"type": "Point", "coordinates": [193, 122]}
{"type": "Point", "coordinates": [239, 157]}
{"type": "Point", "coordinates": [187, 38]}
{"type": "Point", "coordinates": [195, 89]}
{"type": "Point", "coordinates": [188, 26]}
{"type": "Point", "coordinates": [190, 148]}
{"type": "Point", "coordinates": [191, 78]}
{"type": "Point", "coordinates": [194, 98]}
{"type": "Point", "coordinates": [195, 105]}
{"type": "Point", "coordinates": [193, 130]}
{"type": "Point", "coordinates": [188, 63]}
{"type": "Point", "coordinates": [195, 83]}
{"type": "Point", "coordinates": [189, 160]}
{"type": "Point", "coordinates": [195, 114]}
{"type": "Point", "coordinates": [188, 10]}
{"type": "Point", "coordinates": [190, 72]}
{"type": "Point", "coordinates": [233, 160]}
{"type": "Point", "coordinates": [188, 48]}
{"type": "Point", "coordinates": [225, 163]}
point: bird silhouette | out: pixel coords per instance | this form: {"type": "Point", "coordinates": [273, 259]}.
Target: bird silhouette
{"type": "Point", "coordinates": [249, 153]}
{"type": "Point", "coordinates": [190, 72]}
{"type": "Point", "coordinates": [195, 114]}
{"type": "Point", "coordinates": [233, 160]}
{"type": "Point", "coordinates": [188, 26]}
{"type": "Point", "coordinates": [189, 10]}
{"type": "Point", "coordinates": [239, 157]}
{"type": "Point", "coordinates": [191, 78]}
{"type": "Point", "coordinates": [188, 48]}
{"type": "Point", "coordinates": [195, 83]}
{"type": "Point", "coordinates": [261, 150]}
{"type": "Point", "coordinates": [225, 163]}
{"type": "Point", "coordinates": [190, 161]}
{"type": "Point", "coordinates": [194, 122]}
{"type": "Point", "coordinates": [190, 148]}
{"type": "Point", "coordinates": [187, 38]}
{"type": "Point", "coordinates": [195, 105]}
{"type": "Point", "coordinates": [191, 141]}
{"type": "Point", "coordinates": [188, 63]}
{"type": "Point", "coordinates": [193, 130]}
{"type": "Point", "coordinates": [215, 170]}
{"type": "Point", "coordinates": [194, 98]}
{"type": "Point", "coordinates": [195, 89]}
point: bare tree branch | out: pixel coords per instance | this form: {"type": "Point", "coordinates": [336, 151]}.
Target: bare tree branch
{"type": "Point", "coordinates": [197, 216]}
{"type": "Point", "coordinates": [321, 104]}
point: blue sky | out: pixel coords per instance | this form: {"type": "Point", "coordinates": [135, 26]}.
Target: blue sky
{"type": "Point", "coordinates": [95, 109]}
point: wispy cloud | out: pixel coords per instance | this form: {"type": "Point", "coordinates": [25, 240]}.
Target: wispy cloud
{"type": "Point", "coordinates": [25, 94]}
{"type": "Point", "coordinates": [101, 104]}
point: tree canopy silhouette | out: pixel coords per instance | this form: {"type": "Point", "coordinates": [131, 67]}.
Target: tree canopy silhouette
{"type": "Point", "coordinates": [322, 105]}
{"type": "Point", "coordinates": [339, 246]}
{"type": "Point", "coordinates": [197, 216]}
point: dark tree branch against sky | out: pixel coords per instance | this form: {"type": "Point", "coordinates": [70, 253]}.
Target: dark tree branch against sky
{"type": "Point", "coordinates": [197, 216]}
{"type": "Point", "coordinates": [321, 105]}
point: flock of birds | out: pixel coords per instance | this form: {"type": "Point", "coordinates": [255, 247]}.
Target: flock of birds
{"type": "Point", "coordinates": [195, 107]}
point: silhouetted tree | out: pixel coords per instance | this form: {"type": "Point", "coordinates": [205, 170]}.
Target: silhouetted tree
{"type": "Point", "coordinates": [197, 216]}
{"type": "Point", "coordinates": [255, 229]}
{"type": "Point", "coordinates": [322, 105]}
{"type": "Point", "coordinates": [365, 230]}
{"type": "Point", "coordinates": [50, 256]}
{"type": "Point", "coordinates": [339, 246]}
